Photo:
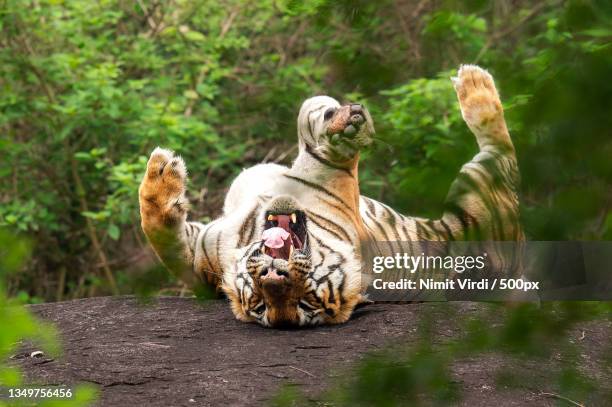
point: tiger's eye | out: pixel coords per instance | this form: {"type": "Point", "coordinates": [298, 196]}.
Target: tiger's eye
{"type": "Point", "coordinates": [260, 309]}
{"type": "Point", "coordinates": [329, 113]}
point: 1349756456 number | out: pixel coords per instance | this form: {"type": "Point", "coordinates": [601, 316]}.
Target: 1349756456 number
{"type": "Point", "coordinates": [41, 392]}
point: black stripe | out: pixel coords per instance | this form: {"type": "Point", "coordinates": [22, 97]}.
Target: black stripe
{"type": "Point", "coordinates": [301, 134]}
{"type": "Point", "coordinates": [247, 251]}
{"type": "Point", "coordinates": [373, 238]}
{"type": "Point", "coordinates": [252, 231]}
{"type": "Point", "coordinates": [189, 235]}
{"type": "Point", "coordinates": [382, 229]}
{"type": "Point", "coordinates": [249, 223]}
{"type": "Point", "coordinates": [447, 229]}
{"type": "Point", "coordinates": [327, 162]}
{"type": "Point", "coordinates": [314, 270]}
{"type": "Point", "coordinates": [370, 205]}
{"type": "Point", "coordinates": [319, 188]}
{"type": "Point", "coordinates": [490, 167]}
{"type": "Point", "coordinates": [421, 231]}
{"type": "Point", "coordinates": [310, 124]}
{"type": "Point", "coordinates": [242, 231]}
{"type": "Point", "coordinates": [337, 236]}
{"type": "Point", "coordinates": [467, 221]}
{"type": "Point", "coordinates": [204, 246]}
{"type": "Point", "coordinates": [188, 229]}
{"type": "Point", "coordinates": [391, 214]}
{"type": "Point", "coordinates": [332, 296]}
{"type": "Point", "coordinates": [349, 215]}
{"type": "Point", "coordinates": [320, 243]}
{"type": "Point", "coordinates": [485, 199]}
{"type": "Point", "coordinates": [312, 216]}
{"type": "Point", "coordinates": [393, 225]}
{"type": "Point", "coordinates": [197, 227]}
{"type": "Point", "coordinates": [208, 228]}
{"type": "Point", "coordinates": [406, 237]}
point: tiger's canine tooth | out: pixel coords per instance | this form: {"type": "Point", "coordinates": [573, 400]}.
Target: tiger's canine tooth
{"type": "Point", "coordinates": [290, 250]}
{"type": "Point", "coordinates": [293, 218]}
{"type": "Point", "coordinates": [271, 217]}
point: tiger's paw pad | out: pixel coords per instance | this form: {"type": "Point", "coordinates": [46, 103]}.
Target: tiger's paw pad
{"type": "Point", "coordinates": [481, 107]}
{"type": "Point", "coordinates": [163, 164]}
{"type": "Point", "coordinates": [162, 191]}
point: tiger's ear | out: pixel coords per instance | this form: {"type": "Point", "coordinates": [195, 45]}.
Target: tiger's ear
{"type": "Point", "coordinates": [363, 301]}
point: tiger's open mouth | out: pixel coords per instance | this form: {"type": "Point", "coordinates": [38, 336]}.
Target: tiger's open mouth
{"type": "Point", "coordinates": [284, 233]}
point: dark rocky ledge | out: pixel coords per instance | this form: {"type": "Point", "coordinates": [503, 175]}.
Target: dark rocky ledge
{"type": "Point", "coordinates": [177, 352]}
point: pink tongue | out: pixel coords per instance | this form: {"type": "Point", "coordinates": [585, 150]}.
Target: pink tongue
{"type": "Point", "coordinates": [275, 237]}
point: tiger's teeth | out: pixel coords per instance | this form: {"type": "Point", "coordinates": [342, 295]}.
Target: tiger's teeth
{"type": "Point", "coordinates": [293, 218]}
{"type": "Point", "coordinates": [290, 250]}
{"type": "Point", "coordinates": [270, 217]}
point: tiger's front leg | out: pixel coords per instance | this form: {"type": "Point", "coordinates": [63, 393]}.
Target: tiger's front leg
{"type": "Point", "coordinates": [163, 211]}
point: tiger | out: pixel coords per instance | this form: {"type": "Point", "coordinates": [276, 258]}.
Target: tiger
{"type": "Point", "coordinates": [290, 245]}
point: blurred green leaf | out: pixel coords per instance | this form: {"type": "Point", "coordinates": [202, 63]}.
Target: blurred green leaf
{"type": "Point", "coordinates": [113, 231]}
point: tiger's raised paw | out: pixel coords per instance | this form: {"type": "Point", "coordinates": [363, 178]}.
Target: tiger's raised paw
{"type": "Point", "coordinates": [162, 191]}
{"type": "Point", "coordinates": [480, 105]}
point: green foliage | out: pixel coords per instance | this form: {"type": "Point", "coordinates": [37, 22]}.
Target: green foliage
{"type": "Point", "coordinates": [18, 324]}
{"type": "Point", "coordinates": [429, 139]}
{"type": "Point", "coordinates": [463, 32]}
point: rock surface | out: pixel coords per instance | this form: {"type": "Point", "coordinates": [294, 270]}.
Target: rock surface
{"type": "Point", "coordinates": [178, 352]}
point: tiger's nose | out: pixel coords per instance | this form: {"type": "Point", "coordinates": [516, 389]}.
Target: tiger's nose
{"type": "Point", "coordinates": [357, 118]}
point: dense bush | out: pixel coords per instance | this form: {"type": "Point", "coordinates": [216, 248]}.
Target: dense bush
{"type": "Point", "coordinates": [88, 89]}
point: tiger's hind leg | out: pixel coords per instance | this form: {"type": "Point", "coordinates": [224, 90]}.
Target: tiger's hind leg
{"type": "Point", "coordinates": [482, 203]}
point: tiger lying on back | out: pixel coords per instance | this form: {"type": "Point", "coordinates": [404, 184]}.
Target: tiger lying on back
{"type": "Point", "coordinates": [288, 249]}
